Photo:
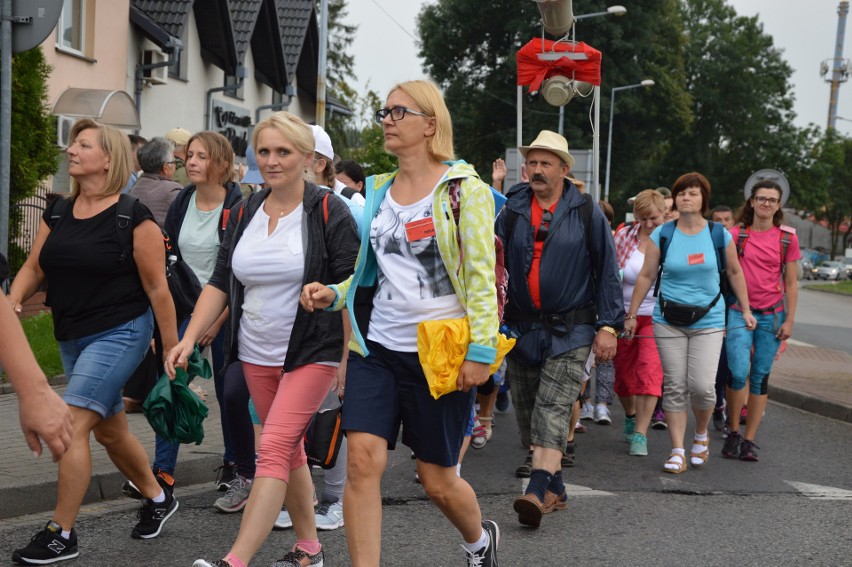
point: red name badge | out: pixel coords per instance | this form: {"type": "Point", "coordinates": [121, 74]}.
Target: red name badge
{"type": "Point", "coordinates": [695, 259]}
{"type": "Point", "coordinates": [420, 229]}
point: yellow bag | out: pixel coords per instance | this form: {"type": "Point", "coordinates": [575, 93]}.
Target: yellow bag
{"type": "Point", "coordinates": [442, 346]}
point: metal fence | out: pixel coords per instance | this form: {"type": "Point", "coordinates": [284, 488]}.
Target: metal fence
{"type": "Point", "coordinates": [26, 216]}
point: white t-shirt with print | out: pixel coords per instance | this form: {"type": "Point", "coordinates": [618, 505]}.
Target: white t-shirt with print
{"type": "Point", "coordinates": [272, 269]}
{"type": "Point", "coordinates": [413, 284]}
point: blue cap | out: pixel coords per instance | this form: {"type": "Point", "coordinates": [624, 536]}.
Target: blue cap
{"type": "Point", "coordinates": [253, 174]}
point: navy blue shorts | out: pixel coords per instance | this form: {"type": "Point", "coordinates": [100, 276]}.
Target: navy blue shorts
{"type": "Point", "coordinates": [388, 388]}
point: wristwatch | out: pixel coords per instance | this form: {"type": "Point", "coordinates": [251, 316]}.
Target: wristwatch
{"type": "Point", "coordinates": [609, 330]}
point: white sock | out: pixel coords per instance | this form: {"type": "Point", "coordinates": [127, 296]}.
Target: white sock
{"type": "Point", "coordinates": [458, 469]}
{"type": "Point", "coordinates": [66, 535]}
{"type": "Point", "coordinates": [696, 448]}
{"type": "Point", "coordinates": [160, 498]}
{"type": "Point", "coordinates": [478, 544]}
{"type": "Point", "coordinates": [601, 405]}
{"type": "Point", "coordinates": [673, 466]}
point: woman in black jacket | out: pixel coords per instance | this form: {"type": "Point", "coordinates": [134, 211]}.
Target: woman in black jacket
{"type": "Point", "coordinates": [195, 224]}
{"type": "Point", "coordinates": [277, 240]}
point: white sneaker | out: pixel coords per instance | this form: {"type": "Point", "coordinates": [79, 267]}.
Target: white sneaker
{"type": "Point", "coordinates": [284, 521]}
{"type": "Point", "coordinates": [587, 411]}
{"type": "Point", "coordinates": [330, 516]}
{"type": "Point", "coordinates": [602, 415]}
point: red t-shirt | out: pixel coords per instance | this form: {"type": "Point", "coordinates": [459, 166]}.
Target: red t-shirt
{"type": "Point", "coordinates": [536, 212]}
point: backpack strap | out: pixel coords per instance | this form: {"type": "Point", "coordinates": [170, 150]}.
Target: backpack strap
{"type": "Point", "coordinates": [666, 234]}
{"type": "Point", "coordinates": [60, 205]}
{"type": "Point", "coordinates": [124, 224]}
{"type": "Point", "coordinates": [325, 208]}
{"type": "Point", "coordinates": [742, 238]}
{"type": "Point", "coordinates": [348, 192]}
{"type": "Point", "coordinates": [787, 233]}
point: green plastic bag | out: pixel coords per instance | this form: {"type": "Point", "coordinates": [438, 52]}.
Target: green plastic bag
{"type": "Point", "coordinates": [174, 411]}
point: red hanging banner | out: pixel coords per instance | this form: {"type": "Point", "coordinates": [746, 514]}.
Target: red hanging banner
{"type": "Point", "coordinates": [541, 58]}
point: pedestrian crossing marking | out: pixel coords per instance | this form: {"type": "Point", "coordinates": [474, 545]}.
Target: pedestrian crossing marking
{"type": "Point", "coordinates": [819, 492]}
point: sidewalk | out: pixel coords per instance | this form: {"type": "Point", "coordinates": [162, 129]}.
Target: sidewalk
{"type": "Point", "coordinates": [812, 379]}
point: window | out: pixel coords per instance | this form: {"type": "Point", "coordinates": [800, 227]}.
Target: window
{"type": "Point", "coordinates": [70, 30]}
{"type": "Point", "coordinates": [233, 80]}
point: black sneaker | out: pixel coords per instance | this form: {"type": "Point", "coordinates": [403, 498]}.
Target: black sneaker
{"type": "Point", "coordinates": [525, 469]}
{"type": "Point", "coordinates": [152, 516]}
{"type": "Point", "coordinates": [164, 479]}
{"type": "Point", "coordinates": [731, 450]}
{"type": "Point", "coordinates": [487, 556]}
{"type": "Point", "coordinates": [225, 474]}
{"type": "Point", "coordinates": [720, 418]}
{"type": "Point", "coordinates": [747, 451]}
{"type": "Point", "coordinates": [569, 455]}
{"type": "Point", "coordinates": [48, 546]}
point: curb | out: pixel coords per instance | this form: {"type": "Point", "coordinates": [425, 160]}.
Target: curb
{"type": "Point", "coordinates": [31, 499]}
{"type": "Point", "coordinates": [810, 404]}
{"type": "Point", "coordinates": [54, 381]}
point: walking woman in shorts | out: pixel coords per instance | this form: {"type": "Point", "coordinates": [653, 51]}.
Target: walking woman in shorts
{"type": "Point", "coordinates": [287, 234]}
{"type": "Point", "coordinates": [638, 372]}
{"type": "Point", "coordinates": [102, 288]}
{"type": "Point", "coordinates": [410, 269]}
{"type": "Point", "coordinates": [689, 352]}
{"type": "Point", "coordinates": [773, 286]}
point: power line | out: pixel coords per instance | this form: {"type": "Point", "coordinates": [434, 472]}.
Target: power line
{"type": "Point", "coordinates": [399, 25]}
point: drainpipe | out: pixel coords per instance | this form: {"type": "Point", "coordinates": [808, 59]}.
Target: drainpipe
{"type": "Point", "coordinates": [241, 74]}
{"type": "Point", "coordinates": [173, 49]}
{"type": "Point", "coordinates": [289, 91]}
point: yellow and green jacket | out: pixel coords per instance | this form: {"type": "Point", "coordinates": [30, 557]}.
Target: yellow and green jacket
{"type": "Point", "coordinates": [471, 273]}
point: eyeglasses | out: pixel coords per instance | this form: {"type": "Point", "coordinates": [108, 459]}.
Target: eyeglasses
{"type": "Point", "coordinates": [763, 200]}
{"type": "Point", "coordinates": [541, 233]}
{"type": "Point", "coordinates": [396, 113]}
{"type": "Point", "coordinates": [170, 162]}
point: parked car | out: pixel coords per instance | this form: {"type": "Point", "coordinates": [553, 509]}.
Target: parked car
{"type": "Point", "coordinates": [808, 269]}
{"type": "Point", "coordinates": [847, 265]}
{"type": "Point", "coordinates": [830, 270]}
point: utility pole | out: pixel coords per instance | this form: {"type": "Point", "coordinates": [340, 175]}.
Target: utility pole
{"type": "Point", "coordinates": [839, 66]}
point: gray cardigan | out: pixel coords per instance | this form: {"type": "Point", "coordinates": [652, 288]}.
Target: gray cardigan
{"type": "Point", "coordinates": [330, 251]}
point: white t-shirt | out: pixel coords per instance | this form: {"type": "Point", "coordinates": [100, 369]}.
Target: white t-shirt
{"type": "Point", "coordinates": [631, 274]}
{"type": "Point", "coordinates": [271, 267]}
{"type": "Point", "coordinates": [413, 284]}
{"type": "Point", "coordinates": [358, 198]}
{"type": "Point", "coordinates": [199, 239]}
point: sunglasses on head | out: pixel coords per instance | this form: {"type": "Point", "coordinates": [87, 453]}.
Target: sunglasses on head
{"type": "Point", "coordinates": [541, 233]}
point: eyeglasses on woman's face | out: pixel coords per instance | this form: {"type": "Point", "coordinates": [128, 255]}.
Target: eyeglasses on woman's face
{"type": "Point", "coordinates": [396, 113]}
{"type": "Point", "coordinates": [761, 200]}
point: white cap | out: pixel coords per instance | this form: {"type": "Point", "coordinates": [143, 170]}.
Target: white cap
{"type": "Point", "coordinates": [322, 143]}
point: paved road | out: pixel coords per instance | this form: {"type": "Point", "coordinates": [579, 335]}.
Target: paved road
{"type": "Point", "coordinates": [824, 320]}
{"type": "Point", "coordinates": [791, 508]}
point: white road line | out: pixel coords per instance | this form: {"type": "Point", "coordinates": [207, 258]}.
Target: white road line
{"type": "Point", "coordinates": [821, 492]}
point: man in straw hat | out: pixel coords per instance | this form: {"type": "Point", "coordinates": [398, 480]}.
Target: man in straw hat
{"type": "Point", "coordinates": [565, 300]}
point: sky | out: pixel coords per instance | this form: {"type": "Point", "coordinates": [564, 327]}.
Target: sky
{"type": "Point", "coordinates": [385, 48]}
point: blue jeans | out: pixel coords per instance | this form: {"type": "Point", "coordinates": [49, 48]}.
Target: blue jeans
{"type": "Point", "coordinates": [166, 452]}
{"type": "Point", "coordinates": [742, 362]}
{"type": "Point", "coordinates": [99, 365]}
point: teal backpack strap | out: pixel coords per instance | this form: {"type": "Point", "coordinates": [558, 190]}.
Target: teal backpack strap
{"type": "Point", "coordinates": [666, 234]}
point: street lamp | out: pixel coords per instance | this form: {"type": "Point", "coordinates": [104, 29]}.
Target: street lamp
{"type": "Point", "coordinates": [611, 11]}
{"type": "Point", "coordinates": [645, 83]}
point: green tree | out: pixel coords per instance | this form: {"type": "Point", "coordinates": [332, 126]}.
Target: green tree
{"type": "Point", "coordinates": [33, 150]}
{"type": "Point", "coordinates": [470, 52]}
{"type": "Point", "coordinates": [741, 102]}
{"type": "Point", "coordinates": [340, 69]}
{"type": "Point", "coordinates": [829, 180]}
{"type": "Point", "coordinates": [370, 151]}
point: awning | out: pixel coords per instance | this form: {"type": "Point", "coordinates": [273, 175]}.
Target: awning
{"type": "Point", "coordinates": [115, 108]}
